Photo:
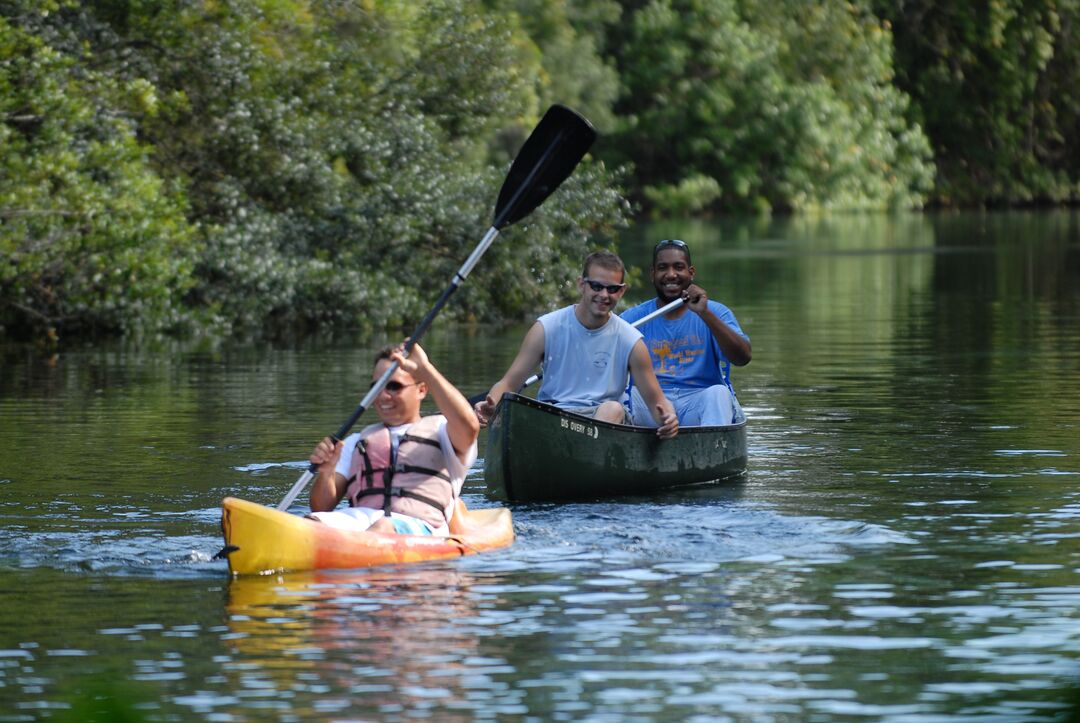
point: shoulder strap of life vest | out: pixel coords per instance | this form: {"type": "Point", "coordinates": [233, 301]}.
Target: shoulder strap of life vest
{"type": "Point", "coordinates": [366, 468]}
{"type": "Point", "coordinates": [388, 475]}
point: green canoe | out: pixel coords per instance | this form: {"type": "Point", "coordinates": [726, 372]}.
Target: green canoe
{"type": "Point", "coordinates": [538, 452]}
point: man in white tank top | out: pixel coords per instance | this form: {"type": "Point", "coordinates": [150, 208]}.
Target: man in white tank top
{"type": "Point", "coordinates": [587, 355]}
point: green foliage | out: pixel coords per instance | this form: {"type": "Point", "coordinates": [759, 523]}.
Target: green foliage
{"type": "Point", "coordinates": [785, 106]}
{"type": "Point", "coordinates": [995, 85]}
{"type": "Point", "coordinates": [92, 238]}
{"type": "Point", "coordinates": [279, 164]}
{"type": "Point", "coordinates": [336, 162]}
{"type": "Point", "coordinates": [689, 196]}
{"type": "Point", "coordinates": [564, 42]}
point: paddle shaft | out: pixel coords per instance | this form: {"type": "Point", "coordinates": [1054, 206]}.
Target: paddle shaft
{"type": "Point", "coordinates": [421, 329]}
{"type": "Point", "coordinates": [550, 153]}
{"type": "Point", "coordinates": [671, 306]}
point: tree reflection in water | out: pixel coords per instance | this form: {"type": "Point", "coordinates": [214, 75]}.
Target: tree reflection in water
{"type": "Point", "coordinates": [393, 641]}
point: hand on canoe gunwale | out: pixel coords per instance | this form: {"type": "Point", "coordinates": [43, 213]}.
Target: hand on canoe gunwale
{"type": "Point", "coordinates": [484, 409]}
{"type": "Point", "coordinates": [669, 422]}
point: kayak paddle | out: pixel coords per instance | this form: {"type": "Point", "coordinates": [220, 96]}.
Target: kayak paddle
{"type": "Point", "coordinates": [671, 306]}
{"type": "Point", "coordinates": [550, 154]}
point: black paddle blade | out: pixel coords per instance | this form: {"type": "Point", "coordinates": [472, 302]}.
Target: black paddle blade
{"type": "Point", "coordinates": [550, 154]}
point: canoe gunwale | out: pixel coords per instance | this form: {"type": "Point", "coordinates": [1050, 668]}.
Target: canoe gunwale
{"type": "Point", "coordinates": [538, 452]}
{"type": "Point", "coordinates": [511, 397]}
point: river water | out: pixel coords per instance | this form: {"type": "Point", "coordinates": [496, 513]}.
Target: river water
{"type": "Point", "coordinates": [903, 547]}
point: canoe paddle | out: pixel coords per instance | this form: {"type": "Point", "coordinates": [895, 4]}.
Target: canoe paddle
{"type": "Point", "coordinates": [671, 306]}
{"type": "Point", "coordinates": [550, 154]}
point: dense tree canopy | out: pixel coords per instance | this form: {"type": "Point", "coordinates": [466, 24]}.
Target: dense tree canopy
{"type": "Point", "coordinates": [277, 165]}
{"type": "Point", "coordinates": [91, 236]}
{"type": "Point", "coordinates": [994, 84]}
{"type": "Point", "coordinates": [256, 166]}
{"type": "Point", "coordinates": [759, 105]}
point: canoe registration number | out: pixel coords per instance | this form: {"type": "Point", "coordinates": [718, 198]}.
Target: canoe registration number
{"type": "Point", "coordinates": [587, 429]}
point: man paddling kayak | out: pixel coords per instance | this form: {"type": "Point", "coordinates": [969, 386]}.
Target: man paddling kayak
{"type": "Point", "coordinates": [405, 473]}
{"type": "Point", "coordinates": [588, 354]}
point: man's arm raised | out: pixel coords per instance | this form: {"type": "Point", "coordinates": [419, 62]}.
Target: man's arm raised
{"type": "Point", "coordinates": [462, 426]}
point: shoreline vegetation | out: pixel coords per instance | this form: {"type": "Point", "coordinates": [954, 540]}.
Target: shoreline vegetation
{"type": "Point", "coordinates": [222, 169]}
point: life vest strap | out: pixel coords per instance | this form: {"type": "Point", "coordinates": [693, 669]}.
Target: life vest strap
{"type": "Point", "coordinates": [366, 467]}
{"type": "Point", "coordinates": [402, 467]}
{"type": "Point", "coordinates": [421, 440]}
{"type": "Point", "coordinates": [388, 475]}
{"type": "Point", "coordinates": [398, 492]}
{"type": "Point", "coordinates": [422, 470]}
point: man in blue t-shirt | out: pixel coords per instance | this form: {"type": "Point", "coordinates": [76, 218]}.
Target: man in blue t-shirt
{"type": "Point", "coordinates": [692, 347]}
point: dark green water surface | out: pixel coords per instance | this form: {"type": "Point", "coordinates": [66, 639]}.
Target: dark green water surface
{"type": "Point", "coordinates": [904, 547]}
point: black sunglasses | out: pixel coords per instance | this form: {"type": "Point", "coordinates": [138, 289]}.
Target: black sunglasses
{"type": "Point", "coordinates": [393, 387]}
{"type": "Point", "coordinates": [672, 243]}
{"type": "Point", "coordinates": [611, 288]}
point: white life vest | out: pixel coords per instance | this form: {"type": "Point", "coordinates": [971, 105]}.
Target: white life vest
{"type": "Point", "coordinates": [411, 479]}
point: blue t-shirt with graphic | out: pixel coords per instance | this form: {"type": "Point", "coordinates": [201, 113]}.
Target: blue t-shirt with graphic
{"type": "Point", "coordinates": [684, 352]}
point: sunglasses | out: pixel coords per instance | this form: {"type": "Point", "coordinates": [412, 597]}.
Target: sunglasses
{"type": "Point", "coordinates": [611, 288]}
{"type": "Point", "coordinates": [393, 387]}
{"type": "Point", "coordinates": [671, 243]}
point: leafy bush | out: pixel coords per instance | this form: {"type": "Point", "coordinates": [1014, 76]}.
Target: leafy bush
{"type": "Point", "coordinates": [281, 164]}
{"type": "Point", "coordinates": [994, 84]}
{"type": "Point", "coordinates": [333, 164]}
{"type": "Point", "coordinates": [784, 105]}
{"type": "Point", "coordinates": [91, 236]}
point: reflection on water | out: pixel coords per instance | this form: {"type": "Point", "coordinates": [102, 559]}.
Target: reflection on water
{"type": "Point", "coordinates": [384, 641]}
{"type": "Point", "coordinates": [902, 547]}
{"type": "Point", "coordinates": [668, 637]}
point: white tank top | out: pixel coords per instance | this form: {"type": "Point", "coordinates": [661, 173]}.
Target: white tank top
{"type": "Point", "coordinates": [584, 367]}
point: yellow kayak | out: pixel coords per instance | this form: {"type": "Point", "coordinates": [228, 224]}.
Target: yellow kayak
{"type": "Point", "coordinates": [262, 540]}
